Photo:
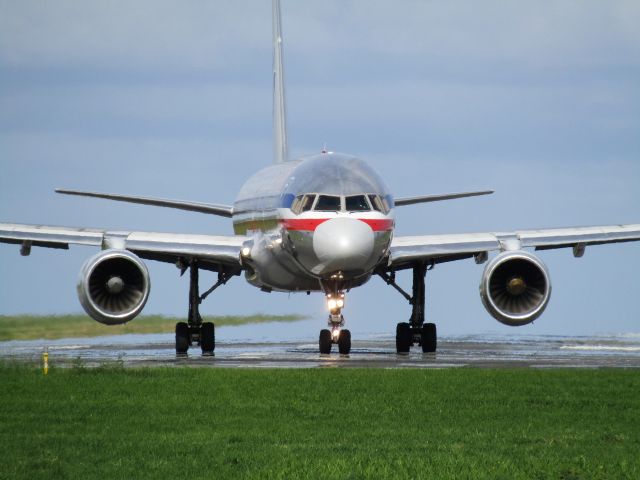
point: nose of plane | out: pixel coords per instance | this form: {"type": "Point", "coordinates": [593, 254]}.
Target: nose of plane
{"type": "Point", "coordinates": [343, 244]}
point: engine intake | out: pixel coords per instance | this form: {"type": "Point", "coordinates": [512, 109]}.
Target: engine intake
{"type": "Point", "coordinates": [515, 288]}
{"type": "Point", "coordinates": [113, 286]}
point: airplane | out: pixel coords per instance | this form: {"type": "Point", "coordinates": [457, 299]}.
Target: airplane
{"type": "Point", "coordinates": [321, 223]}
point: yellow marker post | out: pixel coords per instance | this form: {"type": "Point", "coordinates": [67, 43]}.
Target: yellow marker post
{"type": "Point", "coordinates": [45, 361]}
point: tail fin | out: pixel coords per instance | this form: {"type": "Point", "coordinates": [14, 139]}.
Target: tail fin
{"type": "Point", "coordinates": [280, 153]}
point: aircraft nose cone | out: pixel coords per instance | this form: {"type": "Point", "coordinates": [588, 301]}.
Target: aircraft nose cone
{"type": "Point", "coordinates": [343, 244]}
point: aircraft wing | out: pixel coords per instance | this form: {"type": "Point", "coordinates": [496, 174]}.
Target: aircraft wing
{"type": "Point", "coordinates": [212, 252]}
{"type": "Point", "coordinates": [399, 202]}
{"type": "Point", "coordinates": [407, 251]}
{"type": "Point", "coordinates": [222, 210]}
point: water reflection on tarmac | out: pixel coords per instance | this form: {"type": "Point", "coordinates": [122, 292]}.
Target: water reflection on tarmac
{"type": "Point", "coordinates": [237, 347]}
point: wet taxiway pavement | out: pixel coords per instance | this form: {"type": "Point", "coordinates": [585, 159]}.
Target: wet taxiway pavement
{"type": "Point", "coordinates": [621, 351]}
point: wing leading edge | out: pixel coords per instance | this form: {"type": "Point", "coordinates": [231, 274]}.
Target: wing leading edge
{"type": "Point", "coordinates": [212, 252]}
{"type": "Point", "coordinates": [407, 251]}
{"type": "Point", "coordinates": [220, 210]}
{"type": "Point", "coordinates": [399, 202]}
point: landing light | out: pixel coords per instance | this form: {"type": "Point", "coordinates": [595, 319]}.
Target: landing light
{"type": "Point", "coordinates": [246, 251]}
{"type": "Point", "coordinates": [335, 303]}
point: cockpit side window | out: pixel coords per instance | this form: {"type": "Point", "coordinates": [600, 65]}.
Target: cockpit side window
{"type": "Point", "coordinates": [307, 202]}
{"type": "Point", "coordinates": [296, 206]}
{"type": "Point", "coordinates": [387, 201]}
{"type": "Point", "coordinates": [379, 203]}
{"type": "Point", "coordinates": [357, 203]}
{"type": "Point", "coordinates": [376, 203]}
{"type": "Point", "coordinates": [302, 203]}
{"type": "Point", "coordinates": [328, 203]}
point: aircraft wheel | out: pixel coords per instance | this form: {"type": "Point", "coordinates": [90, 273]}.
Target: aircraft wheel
{"type": "Point", "coordinates": [182, 338]}
{"type": "Point", "coordinates": [207, 338]}
{"type": "Point", "coordinates": [403, 337]}
{"type": "Point", "coordinates": [429, 337]}
{"type": "Point", "coordinates": [344, 342]}
{"type": "Point", "coordinates": [325, 341]}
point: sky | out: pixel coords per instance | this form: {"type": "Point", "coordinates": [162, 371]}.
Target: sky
{"type": "Point", "coordinates": [536, 100]}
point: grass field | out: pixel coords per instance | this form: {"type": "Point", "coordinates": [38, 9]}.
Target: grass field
{"type": "Point", "coordinates": [324, 423]}
{"type": "Point", "coordinates": [31, 327]}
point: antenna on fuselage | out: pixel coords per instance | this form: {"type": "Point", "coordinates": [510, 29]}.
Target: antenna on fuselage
{"type": "Point", "coordinates": [280, 153]}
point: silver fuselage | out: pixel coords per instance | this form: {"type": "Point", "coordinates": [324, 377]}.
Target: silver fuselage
{"type": "Point", "coordinates": [313, 222]}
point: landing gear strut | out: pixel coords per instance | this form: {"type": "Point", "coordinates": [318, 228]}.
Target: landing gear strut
{"type": "Point", "coordinates": [195, 330]}
{"type": "Point", "coordinates": [335, 333]}
{"type": "Point", "coordinates": [416, 331]}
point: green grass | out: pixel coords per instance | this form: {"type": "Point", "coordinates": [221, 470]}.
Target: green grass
{"type": "Point", "coordinates": [325, 423]}
{"type": "Point", "coordinates": [30, 327]}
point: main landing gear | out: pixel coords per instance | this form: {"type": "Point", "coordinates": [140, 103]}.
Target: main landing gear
{"type": "Point", "coordinates": [335, 333]}
{"type": "Point", "coordinates": [416, 331]}
{"type": "Point", "coordinates": [195, 330]}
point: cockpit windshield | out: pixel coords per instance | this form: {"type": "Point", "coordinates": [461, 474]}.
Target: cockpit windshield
{"type": "Point", "coordinates": [328, 203]}
{"type": "Point", "coordinates": [336, 203]}
{"type": "Point", "coordinates": [357, 203]}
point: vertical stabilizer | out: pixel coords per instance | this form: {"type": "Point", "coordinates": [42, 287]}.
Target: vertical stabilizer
{"type": "Point", "coordinates": [280, 153]}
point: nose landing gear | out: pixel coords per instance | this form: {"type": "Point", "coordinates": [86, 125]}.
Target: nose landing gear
{"type": "Point", "coordinates": [335, 334]}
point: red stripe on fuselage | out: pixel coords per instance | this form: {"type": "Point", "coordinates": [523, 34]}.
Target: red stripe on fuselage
{"type": "Point", "coordinates": [310, 224]}
{"type": "Point", "coordinates": [378, 225]}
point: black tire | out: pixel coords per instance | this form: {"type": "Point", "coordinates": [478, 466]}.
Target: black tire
{"type": "Point", "coordinates": [207, 337]}
{"type": "Point", "coordinates": [344, 342]}
{"type": "Point", "coordinates": [182, 338]}
{"type": "Point", "coordinates": [429, 337]}
{"type": "Point", "coordinates": [404, 338]}
{"type": "Point", "coordinates": [325, 341]}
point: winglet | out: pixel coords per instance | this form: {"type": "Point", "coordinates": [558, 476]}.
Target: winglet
{"type": "Point", "coordinates": [280, 153]}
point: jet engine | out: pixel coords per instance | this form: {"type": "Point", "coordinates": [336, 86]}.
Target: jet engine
{"type": "Point", "coordinates": [113, 286]}
{"type": "Point", "coordinates": [515, 288]}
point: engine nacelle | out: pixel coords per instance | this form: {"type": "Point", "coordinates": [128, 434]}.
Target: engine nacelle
{"type": "Point", "coordinates": [113, 286]}
{"type": "Point", "coordinates": [515, 288]}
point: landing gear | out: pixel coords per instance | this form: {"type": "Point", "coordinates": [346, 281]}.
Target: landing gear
{"type": "Point", "coordinates": [208, 338]}
{"type": "Point", "coordinates": [416, 331]}
{"type": "Point", "coordinates": [335, 333]}
{"type": "Point", "coordinates": [196, 331]}
{"type": "Point", "coordinates": [344, 342]}
{"type": "Point", "coordinates": [341, 337]}
{"type": "Point", "coordinates": [404, 338]}
{"type": "Point", "coordinates": [428, 338]}
{"type": "Point", "coordinates": [325, 341]}
{"type": "Point", "coordinates": [182, 338]}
